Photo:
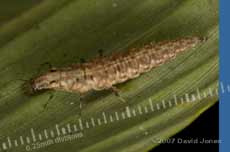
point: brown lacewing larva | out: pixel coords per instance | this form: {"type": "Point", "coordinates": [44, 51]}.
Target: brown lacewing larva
{"type": "Point", "coordinates": [105, 72]}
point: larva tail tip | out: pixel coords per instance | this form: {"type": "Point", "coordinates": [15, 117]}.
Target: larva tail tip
{"type": "Point", "coordinates": [28, 89]}
{"type": "Point", "coordinates": [26, 86]}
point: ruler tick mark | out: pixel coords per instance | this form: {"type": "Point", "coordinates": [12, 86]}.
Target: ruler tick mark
{"type": "Point", "coordinates": [187, 97]}
{"type": "Point", "coordinates": [128, 112]}
{"type": "Point", "coordinates": [205, 95]}
{"type": "Point", "coordinates": [63, 131]}
{"type": "Point", "coordinates": [151, 104]}
{"type": "Point", "coordinates": [46, 135]}
{"type": "Point", "coordinates": [210, 92]}
{"type": "Point", "coordinates": [21, 139]}
{"type": "Point", "coordinates": [139, 109]}
{"type": "Point", "coordinates": [9, 142]}
{"type": "Point", "coordinates": [52, 133]}
{"type": "Point", "coordinates": [4, 147]}
{"type": "Point", "coordinates": [57, 129]}
{"type": "Point", "coordinates": [28, 140]}
{"type": "Point", "coordinates": [40, 137]}
{"type": "Point", "coordinates": [170, 103]}
{"type": "Point", "coordinates": [87, 124]}
{"type": "Point", "coordinates": [68, 128]}
{"type": "Point", "coordinates": [228, 87]}
{"type": "Point", "coordinates": [134, 112]}
{"type": "Point", "coordinates": [163, 104]}
{"type": "Point", "coordinates": [92, 121]}
{"type": "Point", "coordinates": [16, 143]}
{"type": "Point", "coordinates": [146, 109]}
{"type": "Point", "coordinates": [158, 106]}
{"type": "Point", "coordinates": [193, 98]}
{"type": "Point", "coordinates": [99, 121]}
{"type": "Point", "coordinates": [198, 94]}
{"type": "Point", "coordinates": [123, 115]}
{"type": "Point", "coordinates": [117, 116]}
{"type": "Point", "coordinates": [80, 124]}
{"type": "Point", "coordinates": [104, 117]}
{"type": "Point", "coordinates": [75, 127]}
{"type": "Point", "coordinates": [222, 87]}
{"type": "Point", "coordinates": [111, 118]}
{"type": "Point", "coordinates": [175, 99]}
{"type": "Point", "coordinates": [33, 134]}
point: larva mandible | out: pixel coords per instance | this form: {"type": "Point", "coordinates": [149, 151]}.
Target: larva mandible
{"type": "Point", "coordinates": [105, 72]}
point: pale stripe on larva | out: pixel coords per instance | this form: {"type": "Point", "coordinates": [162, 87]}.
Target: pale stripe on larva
{"type": "Point", "coordinates": [105, 72]}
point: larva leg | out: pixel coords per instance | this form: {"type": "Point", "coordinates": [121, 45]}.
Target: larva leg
{"type": "Point", "coordinates": [48, 101]}
{"type": "Point", "coordinates": [47, 63]}
{"type": "Point", "coordinates": [82, 60]}
{"type": "Point", "coordinates": [116, 92]}
{"type": "Point", "coordinates": [81, 103]}
{"type": "Point", "coordinates": [101, 52]}
{"type": "Point", "coordinates": [52, 69]}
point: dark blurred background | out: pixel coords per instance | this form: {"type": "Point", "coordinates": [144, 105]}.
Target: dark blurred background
{"type": "Point", "coordinates": [206, 126]}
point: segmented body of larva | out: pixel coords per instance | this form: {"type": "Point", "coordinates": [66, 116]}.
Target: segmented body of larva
{"type": "Point", "coordinates": [104, 72]}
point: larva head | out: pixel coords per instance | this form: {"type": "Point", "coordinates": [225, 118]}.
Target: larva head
{"type": "Point", "coordinates": [49, 80]}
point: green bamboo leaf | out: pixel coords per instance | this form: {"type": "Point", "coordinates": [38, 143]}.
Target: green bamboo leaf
{"type": "Point", "coordinates": [10, 10]}
{"type": "Point", "coordinates": [61, 32]}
